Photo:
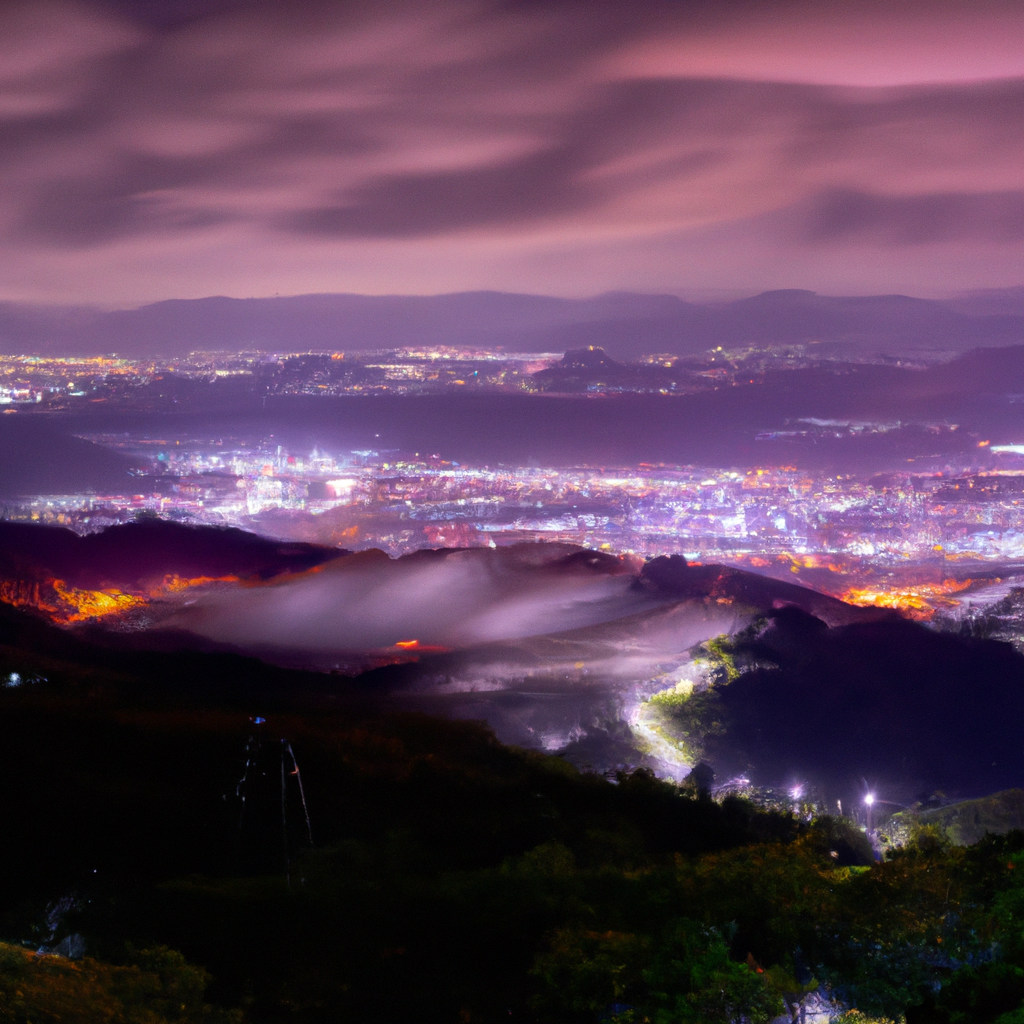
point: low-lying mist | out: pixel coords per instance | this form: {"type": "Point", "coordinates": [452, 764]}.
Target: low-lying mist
{"type": "Point", "coordinates": [368, 602]}
{"type": "Point", "coordinates": [559, 648]}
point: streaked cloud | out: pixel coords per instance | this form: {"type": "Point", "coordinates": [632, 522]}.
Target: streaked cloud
{"type": "Point", "coordinates": [194, 148]}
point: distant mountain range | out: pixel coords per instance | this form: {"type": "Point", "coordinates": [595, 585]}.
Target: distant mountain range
{"type": "Point", "coordinates": [625, 324]}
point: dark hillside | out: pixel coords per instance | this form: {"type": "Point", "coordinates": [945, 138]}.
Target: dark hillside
{"type": "Point", "coordinates": [891, 702]}
{"type": "Point", "coordinates": [148, 549]}
{"type": "Point", "coordinates": [166, 798]}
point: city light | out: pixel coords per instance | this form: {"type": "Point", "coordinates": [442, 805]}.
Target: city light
{"type": "Point", "coordinates": [910, 543]}
{"type": "Point", "coordinates": [779, 521]}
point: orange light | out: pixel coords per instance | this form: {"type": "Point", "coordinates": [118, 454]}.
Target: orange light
{"type": "Point", "coordinates": [23, 594]}
{"type": "Point", "coordinates": [174, 583]}
{"type": "Point", "coordinates": [64, 604]}
{"type": "Point", "coordinates": [407, 644]}
{"type": "Point", "coordinates": [82, 605]}
{"type": "Point", "coordinates": [917, 602]}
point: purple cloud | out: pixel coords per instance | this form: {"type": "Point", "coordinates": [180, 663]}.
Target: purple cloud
{"type": "Point", "coordinates": [195, 147]}
{"type": "Point", "coordinates": [915, 219]}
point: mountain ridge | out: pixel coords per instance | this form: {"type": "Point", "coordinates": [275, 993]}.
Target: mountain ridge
{"type": "Point", "coordinates": [626, 324]}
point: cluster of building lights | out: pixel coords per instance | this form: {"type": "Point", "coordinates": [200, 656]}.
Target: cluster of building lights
{"type": "Point", "coordinates": [775, 520]}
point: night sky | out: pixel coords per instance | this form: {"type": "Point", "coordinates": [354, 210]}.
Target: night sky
{"type": "Point", "coordinates": [180, 149]}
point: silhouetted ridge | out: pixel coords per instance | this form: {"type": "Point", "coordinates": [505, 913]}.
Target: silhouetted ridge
{"type": "Point", "coordinates": [624, 324]}
{"type": "Point", "coordinates": [890, 701]}
{"type": "Point", "coordinates": [671, 577]}
{"type": "Point", "coordinates": [590, 358]}
{"type": "Point", "coordinates": [665, 574]}
{"type": "Point", "coordinates": [148, 549]}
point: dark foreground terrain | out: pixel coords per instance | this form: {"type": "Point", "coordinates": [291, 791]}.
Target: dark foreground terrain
{"type": "Point", "coordinates": [228, 840]}
{"type": "Point", "coordinates": [888, 704]}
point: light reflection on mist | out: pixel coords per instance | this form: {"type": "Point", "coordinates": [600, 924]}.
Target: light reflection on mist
{"type": "Point", "coordinates": [580, 691]}
{"type": "Point", "coordinates": [557, 647]}
{"type": "Point", "coordinates": [368, 602]}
